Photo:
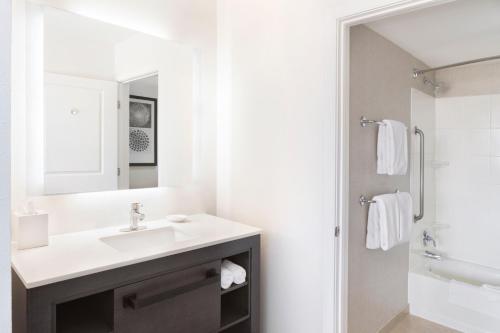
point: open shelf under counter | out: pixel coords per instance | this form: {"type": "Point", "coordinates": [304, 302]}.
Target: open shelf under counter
{"type": "Point", "coordinates": [233, 288]}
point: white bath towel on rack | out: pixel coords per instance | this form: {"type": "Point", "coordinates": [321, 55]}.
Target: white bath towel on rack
{"type": "Point", "coordinates": [392, 148]}
{"type": "Point", "coordinates": [390, 219]}
{"type": "Point", "coordinates": [405, 204]}
{"type": "Point", "coordinates": [383, 222]}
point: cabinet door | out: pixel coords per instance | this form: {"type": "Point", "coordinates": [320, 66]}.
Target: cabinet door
{"type": "Point", "coordinates": [186, 301]}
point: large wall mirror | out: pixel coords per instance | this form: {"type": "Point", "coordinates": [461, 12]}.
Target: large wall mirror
{"type": "Point", "coordinates": [108, 108]}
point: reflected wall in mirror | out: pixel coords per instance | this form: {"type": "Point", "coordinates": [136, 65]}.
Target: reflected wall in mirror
{"type": "Point", "coordinates": [109, 108]}
{"type": "Point", "coordinates": [142, 128]}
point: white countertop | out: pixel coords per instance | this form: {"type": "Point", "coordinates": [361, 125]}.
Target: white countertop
{"type": "Point", "coordinates": [77, 254]}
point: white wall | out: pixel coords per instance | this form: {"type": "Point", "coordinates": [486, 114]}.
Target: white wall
{"type": "Point", "coordinates": [278, 74]}
{"type": "Point", "coordinates": [193, 23]}
{"type": "Point", "coordinates": [5, 106]}
{"type": "Point", "coordinates": [79, 46]}
{"type": "Point", "coordinates": [277, 108]}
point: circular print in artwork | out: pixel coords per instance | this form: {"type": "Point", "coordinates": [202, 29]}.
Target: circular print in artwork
{"type": "Point", "coordinates": [140, 114]}
{"type": "Point", "coordinates": [139, 140]}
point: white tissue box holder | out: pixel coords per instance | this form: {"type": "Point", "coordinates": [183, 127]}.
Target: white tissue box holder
{"type": "Point", "coordinates": [32, 230]}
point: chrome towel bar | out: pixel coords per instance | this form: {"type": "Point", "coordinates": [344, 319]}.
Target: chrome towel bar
{"type": "Point", "coordinates": [364, 201]}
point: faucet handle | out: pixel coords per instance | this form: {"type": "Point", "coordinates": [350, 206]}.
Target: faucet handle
{"type": "Point", "coordinates": [135, 205]}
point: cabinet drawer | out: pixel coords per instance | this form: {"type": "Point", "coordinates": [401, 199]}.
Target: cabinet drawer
{"type": "Point", "coordinates": [186, 301]}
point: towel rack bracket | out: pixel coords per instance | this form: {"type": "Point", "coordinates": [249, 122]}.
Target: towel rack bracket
{"type": "Point", "coordinates": [364, 201]}
{"type": "Point", "coordinates": [365, 122]}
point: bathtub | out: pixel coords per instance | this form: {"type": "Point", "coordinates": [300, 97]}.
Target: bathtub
{"type": "Point", "coordinates": [457, 294]}
{"type": "Point", "coordinates": [451, 269]}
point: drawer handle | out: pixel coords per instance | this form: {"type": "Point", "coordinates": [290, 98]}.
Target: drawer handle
{"type": "Point", "coordinates": [136, 302]}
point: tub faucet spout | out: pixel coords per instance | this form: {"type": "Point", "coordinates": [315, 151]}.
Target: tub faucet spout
{"type": "Point", "coordinates": [432, 255]}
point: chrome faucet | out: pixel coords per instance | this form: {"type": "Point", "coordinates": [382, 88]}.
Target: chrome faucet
{"type": "Point", "coordinates": [427, 238]}
{"type": "Point", "coordinates": [135, 217]}
{"type": "Point", "coordinates": [432, 255]}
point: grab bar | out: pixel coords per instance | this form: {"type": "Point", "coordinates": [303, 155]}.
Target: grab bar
{"type": "Point", "coordinates": [419, 132]}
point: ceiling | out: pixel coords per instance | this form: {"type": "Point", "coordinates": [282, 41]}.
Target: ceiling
{"type": "Point", "coordinates": [454, 32]}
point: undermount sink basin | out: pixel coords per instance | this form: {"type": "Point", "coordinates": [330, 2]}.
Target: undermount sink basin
{"type": "Point", "coordinates": [146, 239]}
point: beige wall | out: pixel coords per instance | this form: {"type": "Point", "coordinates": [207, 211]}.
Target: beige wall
{"type": "Point", "coordinates": [478, 79]}
{"type": "Point", "coordinates": [380, 83]}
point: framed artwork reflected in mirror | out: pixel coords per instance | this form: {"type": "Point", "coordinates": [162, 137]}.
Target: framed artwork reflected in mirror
{"type": "Point", "coordinates": [142, 131]}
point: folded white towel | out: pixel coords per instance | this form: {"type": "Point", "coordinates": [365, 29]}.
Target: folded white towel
{"type": "Point", "coordinates": [226, 278]}
{"type": "Point", "coordinates": [382, 150]}
{"type": "Point", "coordinates": [238, 272]}
{"type": "Point", "coordinates": [373, 228]}
{"type": "Point", "coordinates": [390, 220]}
{"type": "Point", "coordinates": [405, 204]}
{"type": "Point", "coordinates": [388, 212]}
{"type": "Point", "coordinates": [392, 148]}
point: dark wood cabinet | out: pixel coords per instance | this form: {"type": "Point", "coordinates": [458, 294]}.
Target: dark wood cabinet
{"type": "Point", "coordinates": [187, 301]}
{"type": "Point", "coordinates": [175, 294]}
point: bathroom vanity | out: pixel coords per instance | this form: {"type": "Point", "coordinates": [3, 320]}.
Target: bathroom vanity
{"type": "Point", "coordinates": [165, 278]}
{"type": "Point", "coordinates": [111, 108]}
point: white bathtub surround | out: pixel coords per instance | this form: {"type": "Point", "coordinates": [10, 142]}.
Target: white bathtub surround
{"type": "Point", "coordinates": [429, 298]}
{"type": "Point", "coordinates": [452, 269]}
{"type": "Point", "coordinates": [77, 254]}
{"type": "Point", "coordinates": [461, 203]}
{"type": "Point", "coordinates": [482, 299]}
{"type": "Point", "coordinates": [461, 136]}
{"type": "Point", "coordinates": [392, 148]}
{"type": "Point", "coordinates": [467, 136]}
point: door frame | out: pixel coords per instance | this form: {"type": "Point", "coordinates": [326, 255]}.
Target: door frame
{"type": "Point", "coordinates": [341, 143]}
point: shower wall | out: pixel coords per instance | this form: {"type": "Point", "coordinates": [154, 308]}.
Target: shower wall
{"type": "Point", "coordinates": [462, 125]}
{"type": "Point", "coordinates": [468, 138]}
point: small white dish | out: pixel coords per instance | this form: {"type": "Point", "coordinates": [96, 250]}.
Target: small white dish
{"type": "Point", "coordinates": [177, 218]}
